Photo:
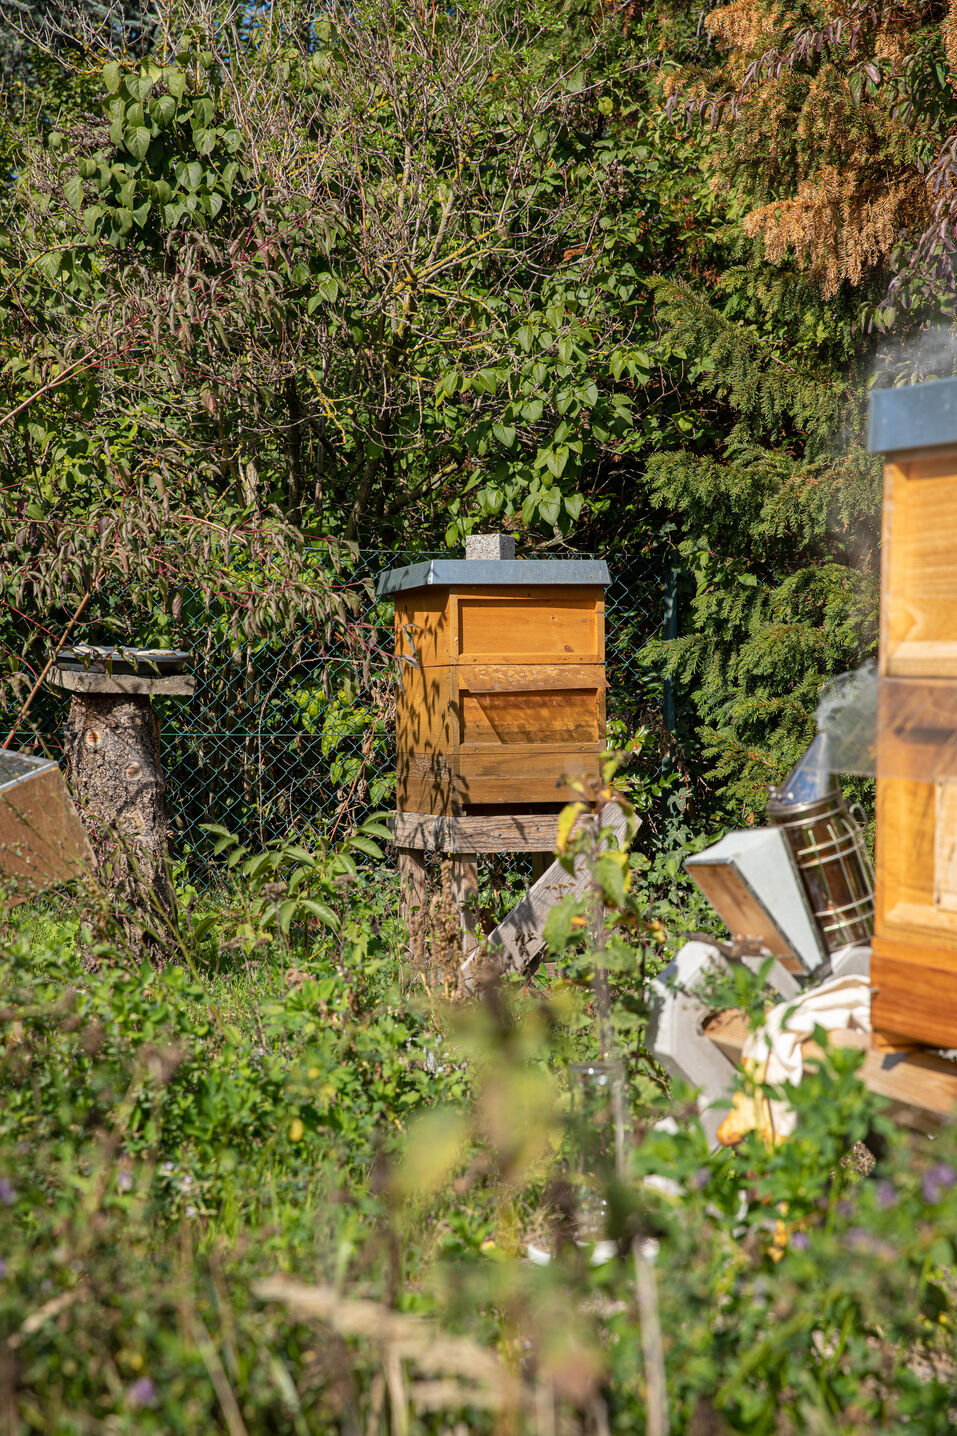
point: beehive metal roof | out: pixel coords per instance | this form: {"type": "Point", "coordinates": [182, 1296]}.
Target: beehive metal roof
{"type": "Point", "coordinates": [492, 573]}
{"type": "Point", "coordinates": [18, 767]}
{"type": "Point", "coordinates": [917, 416]}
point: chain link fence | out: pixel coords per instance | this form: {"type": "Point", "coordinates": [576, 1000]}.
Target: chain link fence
{"type": "Point", "coordinates": [283, 738]}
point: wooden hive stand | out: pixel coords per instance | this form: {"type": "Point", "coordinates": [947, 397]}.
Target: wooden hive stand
{"type": "Point", "coordinates": [501, 711]}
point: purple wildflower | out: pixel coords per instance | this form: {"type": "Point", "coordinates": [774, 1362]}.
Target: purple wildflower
{"type": "Point", "coordinates": [8, 1192]}
{"type": "Point", "coordinates": [142, 1393]}
{"type": "Point", "coordinates": [124, 1181]}
{"type": "Point", "coordinates": [3, 1268]}
{"type": "Point", "coordinates": [937, 1180]}
{"type": "Point", "coordinates": [800, 1241]}
{"type": "Point", "coordinates": [865, 1242]}
{"type": "Point", "coordinates": [701, 1178]}
{"type": "Point", "coordinates": [885, 1194]}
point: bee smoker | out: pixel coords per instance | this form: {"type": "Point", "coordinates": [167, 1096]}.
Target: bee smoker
{"type": "Point", "coordinates": [827, 844]}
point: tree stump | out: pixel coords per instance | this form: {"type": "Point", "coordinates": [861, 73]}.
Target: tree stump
{"type": "Point", "coordinates": [112, 750]}
{"type": "Point", "coordinates": [113, 762]}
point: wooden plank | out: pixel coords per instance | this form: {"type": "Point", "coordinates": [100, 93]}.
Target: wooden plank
{"type": "Point", "coordinates": [920, 657]}
{"type": "Point", "coordinates": [733, 899]}
{"type": "Point", "coordinates": [422, 626]}
{"type": "Point", "coordinates": [465, 891]}
{"type": "Point", "coordinates": [521, 659]}
{"type": "Point", "coordinates": [520, 773]}
{"type": "Point", "coordinates": [945, 846]}
{"type": "Point", "coordinates": [919, 578]}
{"type": "Point", "coordinates": [425, 717]}
{"type": "Point", "coordinates": [518, 940]}
{"type": "Point", "coordinates": [915, 992]}
{"type": "Point", "coordinates": [88, 680]}
{"type": "Point", "coordinates": [528, 677]}
{"type": "Point", "coordinates": [516, 753]}
{"type": "Point", "coordinates": [562, 716]}
{"type": "Point", "coordinates": [921, 1085]}
{"type": "Point", "coordinates": [413, 886]}
{"type": "Point", "coordinates": [42, 841]}
{"type": "Point", "coordinates": [425, 783]}
{"type": "Point", "coordinates": [544, 623]}
{"type": "Point", "coordinates": [486, 833]}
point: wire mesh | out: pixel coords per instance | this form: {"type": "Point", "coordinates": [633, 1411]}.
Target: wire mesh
{"type": "Point", "coordinates": [284, 737]}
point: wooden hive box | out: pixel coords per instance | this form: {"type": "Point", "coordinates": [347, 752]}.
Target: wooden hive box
{"type": "Point", "coordinates": [914, 951]}
{"type": "Point", "coordinates": [502, 699]}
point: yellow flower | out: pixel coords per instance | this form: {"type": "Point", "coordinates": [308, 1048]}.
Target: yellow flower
{"type": "Point", "coordinates": [296, 1129]}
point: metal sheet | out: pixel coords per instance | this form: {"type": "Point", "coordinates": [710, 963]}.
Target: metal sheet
{"type": "Point", "coordinates": [758, 862]}
{"type": "Point", "coordinates": [18, 767]}
{"type": "Point", "coordinates": [919, 416]}
{"type": "Point", "coordinates": [492, 573]}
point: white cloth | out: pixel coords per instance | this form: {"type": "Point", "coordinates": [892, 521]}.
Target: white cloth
{"type": "Point", "coordinates": [841, 1005]}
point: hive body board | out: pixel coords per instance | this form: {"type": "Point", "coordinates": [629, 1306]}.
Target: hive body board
{"type": "Point", "coordinates": [914, 950]}
{"type": "Point", "coordinates": [42, 841]}
{"type": "Point", "coordinates": [502, 700]}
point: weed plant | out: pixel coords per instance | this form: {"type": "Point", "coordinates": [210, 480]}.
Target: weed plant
{"type": "Point", "coordinates": [279, 1185]}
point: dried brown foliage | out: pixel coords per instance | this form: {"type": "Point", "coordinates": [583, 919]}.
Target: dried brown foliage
{"type": "Point", "coordinates": [826, 122]}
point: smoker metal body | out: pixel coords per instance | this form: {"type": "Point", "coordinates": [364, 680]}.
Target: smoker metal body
{"type": "Point", "coordinates": [828, 849]}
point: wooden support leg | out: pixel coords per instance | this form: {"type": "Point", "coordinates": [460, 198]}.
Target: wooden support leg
{"type": "Point", "coordinates": [413, 897]}
{"type": "Point", "coordinates": [465, 887]}
{"type": "Point", "coordinates": [540, 862]}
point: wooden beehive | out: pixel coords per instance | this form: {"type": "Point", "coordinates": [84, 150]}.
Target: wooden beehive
{"type": "Point", "coordinates": [502, 701]}
{"type": "Point", "coordinates": [914, 951]}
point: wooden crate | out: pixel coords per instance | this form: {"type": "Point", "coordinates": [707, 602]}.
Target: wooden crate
{"type": "Point", "coordinates": [914, 951]}
{"type": "Point", "coordinates": [502, 700]}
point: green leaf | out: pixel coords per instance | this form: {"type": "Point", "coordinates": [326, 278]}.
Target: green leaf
{"type": "Point", "coordinates": [367, 846]}
{"type": "Point", "coordinates": [138, 142]}
{"type": "Point", "coordinates": [556, 459]}
{"type": "Point", "coordinates": [505, 434]}
{"type": "Point", "coordinates": [163, 111]}
{"type": "Point", "coordinates": [73, 190]}
{"type": "Point", "coordinates": [532, 411]}
{"type": "Point", "coordinates": [49, 264]}
{"type": "Point", "coordinates": [321, 911]}
{"type": "Point", "coordinates": [112, 77]}
{"type": "Point", "coordinates": [550, 506]}
{"type": "Point", "coordinates": [175, 82]}
{"type": "Point", "coordinates": [561, 925]}
{"type": "Point", "coordinates": [609, 873]}
{"type": "Point", "coordinates": [194, 176]}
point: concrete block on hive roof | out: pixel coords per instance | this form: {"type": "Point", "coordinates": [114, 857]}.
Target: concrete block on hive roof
{"type": "Point", "coordinates": [489, 546]}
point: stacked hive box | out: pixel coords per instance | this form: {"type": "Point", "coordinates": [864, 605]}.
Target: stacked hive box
{"type": "Point", "coordinates": [914, 953]}
{"type": "Point", "coordinates": [502, 702]}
